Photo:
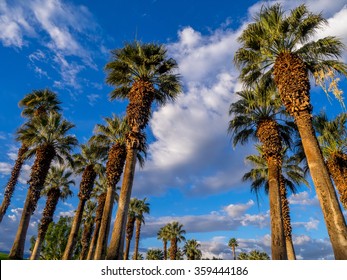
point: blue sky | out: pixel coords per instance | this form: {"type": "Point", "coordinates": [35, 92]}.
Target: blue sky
{"type": "Point", "coordinates": [192, 173]}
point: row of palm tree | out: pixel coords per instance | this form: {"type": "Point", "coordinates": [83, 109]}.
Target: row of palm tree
{"type": "Point", "coordinates": [276, 58]}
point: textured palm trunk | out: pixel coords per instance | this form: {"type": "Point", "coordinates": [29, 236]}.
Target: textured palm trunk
{"type": "Point", "coordinates": [286, 221]}
{"type": "Point", "coordinates": [98, 217]}
{"type": "Point", "coordinates": [291, 78]}
{"type": "Point", "coordinates": [10, 187]}
{"type": "Point", "coordinates": [137, 238]}
{"type": "Point", "coordinates": [114, 170]}
{"type": "Point", "coordinates": [337, 166]}
{"type": "Point", "coordinates": [39, 171]}
{"type": "Point", "coordinates": [86, 188]}
{"type": "Point", "coordinates": [165, 249]}
{"type": "Point", "coordinates": [115, 250]}
{"type": "Point", "coordinates": [47, 217]}
{"type": "Point", "coordinates": [234, 253]}
{"type": "Point", "coordinates": [173, 248]}
{"type": "Point", "coordinates": [129, 235]}
{"type": "Point", "coordinates": [85, 241]}
{"type": "Point", "coordinates": [268, 134]}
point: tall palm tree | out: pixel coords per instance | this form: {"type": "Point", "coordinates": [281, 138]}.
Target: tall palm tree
{"type": "Point", "coordinates": [130, 225]}
{"type": "Point", "coordinates": [333, 142]}
{"type": "Point", "coordinates": [163, 234]}
{"type": "Point", "coordinates": [176, 235]}
{"type": "Point", "coordinates": [112, 136]}
{"type": "Point", "coordinates": [191, 250]}
{"type": "Point", "coordinates": [88, 227]}
{"type": "Point", "coordinates": [143, 74]}
{"type": "Point", "coordinates": [233, 244]}
{"type": "Point", "coordinates": [89, 163]}
{"type": "Point", "coordinates": [47, 139]}
{"type": "Point", "coordinates": [141, 209]}
{"type": "Point", "coordinates": [257, 115]}
{"type": "Point", "coordinates": [280, 46]}
{"type": "Point", "coordinates": [57, 186]}
{"type": "Point", "coordinates": [36, 103]}
{"type": "Point", "coordinates": [292, 175]}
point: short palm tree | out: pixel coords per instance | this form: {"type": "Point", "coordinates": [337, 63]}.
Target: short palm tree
{"type": "Point", "coordinates": [191, 250]}
{"type": "Point", "coordinates": [163, 234]}
{"type": "Point", "coordinates": [257, 115]}
{"type": "Point", "coordinates": [48, 140]}
{"type": "Point", "coordinates": [332, 137]}
{"type": "Point", "coordinates": [280, 46]}
{"type": "Point", "coordinates": [130, 225]}
{"type": "Point", "coordinates": [154, 254]}
{"type": "Point", "coordinates": [89, 163]}
{"type": "Point", "coordinates": [57, 187]}
{"type": "Point", "coordinates": [233, 244]}
{"type": "Point", "coordinates": [176, 235]}
{"type": "Point", "coordinates": [292, 175]}
{"type": "Point", "coordinates": [88, 227]}
{"type": "Point", "coordinates": [142, 208]}
{"type": "Point", "coordinates": [33, 104]}
{"type": "Point", "coordinates": [143, 74]}
{"type": "Point", "coordinates": [253, 255]}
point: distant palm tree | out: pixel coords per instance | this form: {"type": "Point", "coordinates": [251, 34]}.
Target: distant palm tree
{"type": "Point", "coordinates": [233, 244]}
{"type": "Point", "coordinates": [253, 255]}
{"type": "Point", "coordinates": [176, 235]}
{"type": "Point", "coordinates": [38, 102]}
{"type": "Point", "coordinates": [141, 209]}
{"type": "Point", "coordinates": [89, 163]}
{"type": "Point", "coordinates": [154, 254]}
{"type": "Point", "coordinates": [130, 225]}
{"type": "Point", "coordinates": [333, 142]}
{"type": "Point", "coordinates": [57, 186]}
{"type": "Point", "coordinates": [47, 139]}
{"type": "Point", "coordinates": [143, 74]}
{"type": "Point", "coordinates": [191, 250]}
{"type": "Point", "coordinates": [258, 115]}
{"type": "Point", "coordinates": [88, 227]}
{"type": "Point", "coordinates": [280, 45]}
{"type": "Point", "coordinates": [163, 234]}
{"type": "Point", "coordinates": [292, 175]}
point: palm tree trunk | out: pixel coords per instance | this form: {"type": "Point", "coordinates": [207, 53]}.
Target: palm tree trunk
{"type": "Point", "coordinates": [115, 250]}
{"type": "Point", "coordinates": [47, 218]}
{"type": "Point", "coordinates": [39, 171]}
{"type": "Point", "coordinates": [234, 254]}
{"type": "Point", "coordinates": [173, 248]}
{"type": "Point", "coordinates": [333, 216]}
{"type": "Point", "coordinates": [10, 187]}
{"type": "Point", "coordinates": [71, 242]}
{"type": "Point", "coordinates": [137, 238]}
{"type": "Point", "coordinates": [86, 236]}
{"type": "Point", "coordinates": [165, 249]}
{"type": "Point", "coordinates": [129, 235]}
{"type": "Point", "coordinates": [278, 244]}
{"type": "Point", "coordinates": [337, 166]}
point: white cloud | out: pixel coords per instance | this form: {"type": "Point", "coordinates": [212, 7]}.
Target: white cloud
{"type": "Point", "coordinates": [303, 198]}
{"type": "Point", "coordinates": [5, 168]}
{"type": "Point", "coordinates": [236, 210]}
{"type": "Point", "coordinates": [92, 98]}
{"type": "Point", "coordinates": [312, 224]}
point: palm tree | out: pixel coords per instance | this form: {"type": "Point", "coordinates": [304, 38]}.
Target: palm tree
{"type": "Point", "coordinates": [33, 104]}
{"type": "Point", "coordinates": [175, 233]}
{"type": "Point", "coordinates": [333, 142]}
{"type": "Point", "coordinates": [47, 139]}
{"type": "Point", "coordinates": [292, 175]}
{"type": "Point", "coordinates": [191, 250]}
{"type": "Point", "coordinates": [280, 46]}
{"type": "Point", "coordinates": [130, 225]}
{"type": "Point", "coordinates": [233, 244]}
{"type": "Point", "coordinates": [163, 234]}
{"type": "Point", "coordinates": [253, 255]}
{"type": "Point", "coordinates": [155, 254]}
{"type": "Point", "coordinates": [112, 136]}
{"type": "Point", "coordinates": [88, 227]}
{"type": "Point", "coordinates": [89, 163]}
{"type": "Point", "coordinates": [255, 115]}
{"type": "Point", "coordinates": [143, 74]}
{"type": "Point", "coordinates": [57, 186]}
{"type": "Point", "coordinates": [142, 207]}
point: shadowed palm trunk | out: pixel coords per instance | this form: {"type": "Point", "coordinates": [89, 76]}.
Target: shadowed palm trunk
{"type": "Point", "coordinates": [86, 237]}
{"type": "Point", "coordinates": [86, 188]}
{"type": "Point", "coordinates": [47, 217]}
{"type": "Point", "coordinates": [39, 171]}
{"type": "Point", "coordinates": [114, 169]}
{"type": "Point", "coordinates": [10, 187]}
{"type": "Point", "coordinates": [115, 250]}
{"type": "Point", "coordinates": [165, 249]}
{"type": "Point", "coordinates": [129, 235]}
{"type": "Point", "coordinates": [173, 248]}
{"type": "Point", "coordinates": [137, 238]}
{"type": "Point", "coordinates": [98, 216]}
